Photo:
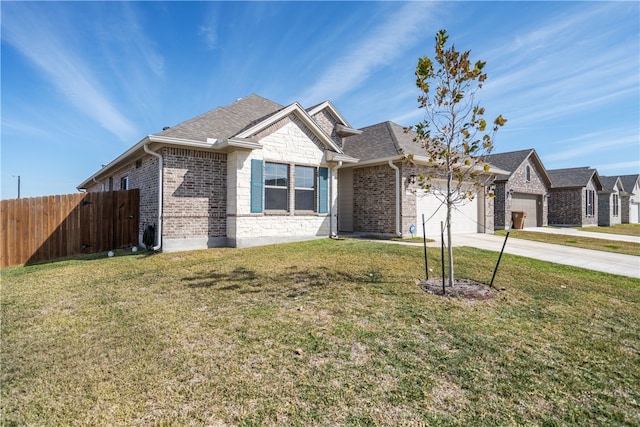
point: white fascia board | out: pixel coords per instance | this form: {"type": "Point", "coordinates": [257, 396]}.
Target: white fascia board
{"type": "Point", "coordinates": [378, 161]}
{"type": "Point", "coordinates": [238, 143]}
{"type": "Point", "coordinates": [210, 144]}
{"type": "Point", "coordinates": [129, 153]}
{"type": "Point", "coordinates": [339, 157]}
{"type": "Point", "coordinates": [420, 160]}
{"type": "Point", "coordinates": [302, 114]}
{"type": "Point", "coordinates": [345, 130]}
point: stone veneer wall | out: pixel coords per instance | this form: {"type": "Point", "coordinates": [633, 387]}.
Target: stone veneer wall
{"type": "Point", "coordinates": [287, 142]}
{"type": "Point", "coordinates": [195, 198]}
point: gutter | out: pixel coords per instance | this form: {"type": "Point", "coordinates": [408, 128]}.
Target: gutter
{"type": "Point", "coordinates": [333, 233]}
{"type": "Point", "coordinates": [160, 196]}
{"type": "Point", "coordinates": [398, 230]}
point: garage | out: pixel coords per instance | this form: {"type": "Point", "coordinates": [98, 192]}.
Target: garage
{"type": "Point", "coordinates": [529, 203]}
{"type": "Point", "coordinates": [464, 217]}
{"type": "Point", "coordinates": [634, 213]}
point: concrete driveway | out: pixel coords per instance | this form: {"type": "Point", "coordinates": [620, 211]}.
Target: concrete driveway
{"type": "Point", "coordinates": [625, 265]}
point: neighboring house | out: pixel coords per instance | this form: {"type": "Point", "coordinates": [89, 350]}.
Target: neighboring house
{"type": "Point", "coordinates": [609, 201]}
{"type": "Point", "coordinates": [251, 173]}
{"type": "Point", "coordinates": [630, 205]}
{"type": "Point", "coordinates": [380, 195]}
{"type": "Point", "coordinates": [573, 197]}
{"type": "Point", "coordinates": [525, 189]}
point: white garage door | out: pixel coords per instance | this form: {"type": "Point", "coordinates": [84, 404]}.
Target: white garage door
{"type": "Point", "coordinates": [634, 213]}
{"type": "Point", "coordinates": [464, 218]}
{"type": "Point", "coordinates": [527, 203]}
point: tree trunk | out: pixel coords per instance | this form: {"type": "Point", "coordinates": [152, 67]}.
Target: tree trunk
{"type": "Point", "coordinates": [449, 240]}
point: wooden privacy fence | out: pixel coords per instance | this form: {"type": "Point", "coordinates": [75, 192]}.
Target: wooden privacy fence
{"type": "Point", "coordinates": [45, 228]}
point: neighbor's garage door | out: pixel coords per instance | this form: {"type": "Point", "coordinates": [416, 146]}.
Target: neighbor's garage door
{"type": "Point", "coordinates": [634, 213]}
{"type": "Point", "coordinates": [527, 203]}
{"type": "Point", "coordinates": [464, 218]}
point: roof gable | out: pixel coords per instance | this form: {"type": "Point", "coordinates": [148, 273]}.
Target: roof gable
{"type": "Point", "coordinates": [296, 110]}
{"type": "Point", "coordinates": [331, 109]}
{"type": "Point", "coordinates": [611, 183]}
{"type": "Point", "coordinates": [629, 182]}
{"type": "Point", "coordinates": [512, 160]}
{"type": "Point", "coordinates": [574, 177]}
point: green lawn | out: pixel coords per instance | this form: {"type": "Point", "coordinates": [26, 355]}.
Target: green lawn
{"type": "Point", "coordinates": [615, 246]}
{"type": "Point", "coordinates": [316, 333]}
{"type": "Point", "coordinates": [625, 229]}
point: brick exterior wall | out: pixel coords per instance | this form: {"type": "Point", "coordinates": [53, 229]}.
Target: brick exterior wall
{"type": "Point", "coordinates": [374, 203]}
{"type": "Point", "coordinates": [519, 184]}
{"type": "Point", "coordinates": [606, 215]}
{"type": "Point", "coordinates": [374, 199]}
{"type": "Point", "coordinates": [567, 207]}
{"type": "Point", "coordinates": [195, 194]}
{"type": "Point", "coordinates": [625, 206]}
{"type": "Point", "coordinates": [327, 123]}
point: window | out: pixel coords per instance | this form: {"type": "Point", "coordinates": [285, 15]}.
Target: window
{"type": "Point", "coordinates": [615, 205]}
{"type": "Point", "coordinates": [589, 209]}
{"type": "Point", "coordinates": [276, 186]}
{"type": "Point", "coordinates": [110, 183]}
{"type": "Point", "coordinates": [528, 174]}
{"type": "Point", "coordinates": [124, 183]}
{"type": "Point", "coordinates": [305, 188]}
{"type": "Point", "coordinates": [271, 184]}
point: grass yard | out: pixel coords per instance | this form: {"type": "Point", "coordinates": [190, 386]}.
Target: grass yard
{"type": "Point", "coordinates": [615, 246]}
{"type": "Point", "coordinates": [315, 333]}
{"type": "Point", "coordinates": [624, 229]}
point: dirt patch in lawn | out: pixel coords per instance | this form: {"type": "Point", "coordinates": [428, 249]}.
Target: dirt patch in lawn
{"type": "Point", "coordinates": [462, 288]}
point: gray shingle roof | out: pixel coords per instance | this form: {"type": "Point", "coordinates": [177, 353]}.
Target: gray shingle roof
{"type": "Point", "coordinates": [608, 182]}
{"type": "Point", "coordinates": [508, 161]}
{"type": "Point", "coordinates": [381, 141]}
{"type": "Point", "coordinates": [573, 177]}
{"type": "Point", "coordinates": [224, 122]}
{"type": "Point", "coordinates": [629, 181]}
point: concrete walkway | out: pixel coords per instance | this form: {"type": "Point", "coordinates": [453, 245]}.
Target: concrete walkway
{"type": "Point", "coordinates": [607, 262]}
{"type": "Point", "coordinates": [580, 233]}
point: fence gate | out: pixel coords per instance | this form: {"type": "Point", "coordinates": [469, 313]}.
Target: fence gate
{"type": "Point", "coordinates": [45, 228]}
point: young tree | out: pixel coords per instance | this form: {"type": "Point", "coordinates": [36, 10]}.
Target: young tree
{"type": "Point", "coordinates": [453, 133]}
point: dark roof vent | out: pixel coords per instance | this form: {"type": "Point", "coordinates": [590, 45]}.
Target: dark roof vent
{"type": "Point", "coordinates": [166, 127]}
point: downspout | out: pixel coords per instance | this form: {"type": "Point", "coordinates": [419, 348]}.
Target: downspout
{"type": "Point", "coordinates": [160, 167]}
{"type": "Point", "coordinates": [333, 233]}
{"type": "Point", "coordinates": [398, 229]}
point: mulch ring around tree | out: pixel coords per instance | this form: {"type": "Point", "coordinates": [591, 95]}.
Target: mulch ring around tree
{"type": "Point", "coordinates": [462, 288]}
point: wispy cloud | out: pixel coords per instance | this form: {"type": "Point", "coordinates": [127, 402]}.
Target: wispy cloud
{"type": "Point", "coordinates": [593, 142]}
{"type": "Point", "coordinates": [553, 71]}
{"type": "Point", "coordinates": [33, 33]}
{"type": "Point", "coordinates": [380, 46]}
{"type": "Point", "coordinates": [209, 35]}
{"type": "Point", "coordinates": [616, 167]}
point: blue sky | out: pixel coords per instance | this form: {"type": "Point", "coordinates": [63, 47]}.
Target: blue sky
{"type": "Point", "coordinates": [84, 81]}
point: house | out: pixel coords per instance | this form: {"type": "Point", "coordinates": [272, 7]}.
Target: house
{"type": "Point", "coordinates": [573, 200]}
{"type": "Point", "coordinates": [380, 194]}
{"type": "Point", "coordinates": [609, 201]}
{"type": "Point", "coordinates": [630, 199]}
{"type": "Point", "coordinates": [251, 173]}
{"type": "Point", "coordinates": [525, 188]}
